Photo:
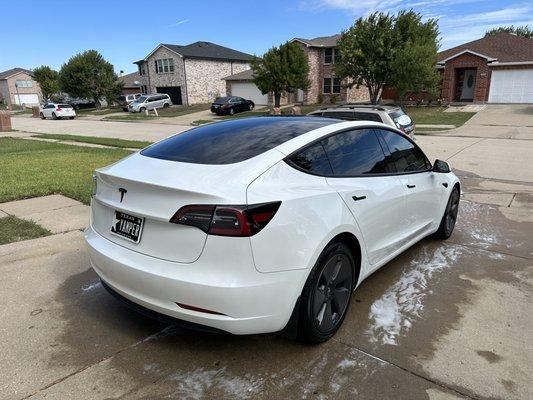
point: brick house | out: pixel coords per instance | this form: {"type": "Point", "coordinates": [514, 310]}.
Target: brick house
{"type": "Point", "coordinates": [190, 74]}
{"type": "Point", "coordinates": [18, 87]}
{"type": "Point", "coordinates": [494, 69]}
{"type": "Point", "coordinates": [322, 54]}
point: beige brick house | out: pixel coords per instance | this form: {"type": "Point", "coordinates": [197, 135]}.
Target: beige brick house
{"type": "Point", "coordinates": [190, 74]}
{"type": "Point", "coordinates": [18, 87]}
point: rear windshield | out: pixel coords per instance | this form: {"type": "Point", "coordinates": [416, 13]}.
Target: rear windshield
{"type": "Point", "coordinates": [400, 118]}
{"type": "Point", "coordinates": [64, 106]}
{"type": "Point", "coordinates": [221, 100]}
{"type": "Point", "coordinates": [233, 141]}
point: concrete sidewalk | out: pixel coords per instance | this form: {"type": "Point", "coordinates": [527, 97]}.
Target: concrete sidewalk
{"type": "Point", "coordinates": [114, 129]}
{"type": "Point", "coordinates": [56, 213]}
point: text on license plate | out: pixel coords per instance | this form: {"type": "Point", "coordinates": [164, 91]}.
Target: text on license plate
{"type": "Point", "coordinates": [127, 226]}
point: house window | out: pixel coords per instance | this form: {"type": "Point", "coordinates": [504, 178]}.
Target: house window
{"type": "Point", "coordinates": [23, 83]}
{"type": "Point", "coordinates": [332, 86]}
{"type": "Point", "coordinates": [164, 65]}
{"type": "Point", "coordinates": [142, 69]}
{"type": "Point", "coordinates": [144, 89]}
{"type": "Point", "coordinates": [331, 55]}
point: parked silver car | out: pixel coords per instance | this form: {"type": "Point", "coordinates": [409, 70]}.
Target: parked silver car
{"type": "Point", "coordinates": [390, 115]}
{"type": "Point", "coordinates": [149, 102]}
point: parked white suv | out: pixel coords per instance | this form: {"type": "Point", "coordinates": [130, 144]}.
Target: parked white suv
{"type": "Point", "coordinates": [149, 102]}
{"type": "Point", "coordinates": [57, 111]}
{"type": "Point", "coordinates": [390, 115]}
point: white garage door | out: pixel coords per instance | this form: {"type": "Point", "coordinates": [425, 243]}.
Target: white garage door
{"type": "Point", "coordinates": [28, 99]}
{"type": "Point", "coordinates": [511, 86]}
{"type": "Point", "coordinates": [249, 91]}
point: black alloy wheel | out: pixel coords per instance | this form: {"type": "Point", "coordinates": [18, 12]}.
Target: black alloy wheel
{"type": "Point", "coordinates": [449, 218]}
{"type": "Point", "coordinates": [326, 295]}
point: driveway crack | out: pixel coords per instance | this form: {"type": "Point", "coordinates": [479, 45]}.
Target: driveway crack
{"type": "Point", "coordinates": [464, 148]}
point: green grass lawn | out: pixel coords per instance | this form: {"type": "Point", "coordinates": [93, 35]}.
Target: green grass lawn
{"type": "Point", "coordinates": [132, 144]}
{"type": "Point", "coordinates": [169, 112]}
{"type": "Point", "coordinates": [437, 116]}
{"type": "Point", "coordinates": [15, 230]}
{"type": "Point", "coordinates": [30, 168]}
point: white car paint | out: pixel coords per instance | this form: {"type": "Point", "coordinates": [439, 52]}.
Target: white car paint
{"type": "Point", "coordinates": [57, 111]}
{"type": "Point", "coordinates": [253, 282]}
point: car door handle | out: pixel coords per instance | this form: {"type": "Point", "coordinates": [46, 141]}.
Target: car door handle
{"type": "Point", "coordinates": [411, 186]}
{"type": "Point", "coordinates": [355, 198]}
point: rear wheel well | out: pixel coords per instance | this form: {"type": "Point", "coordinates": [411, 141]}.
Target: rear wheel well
{"type": "Point", "coordinates": [353, 244]}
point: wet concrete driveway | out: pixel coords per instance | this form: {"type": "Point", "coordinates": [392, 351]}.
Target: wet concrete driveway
{"type": "Point", "coordinates": [445, 320]}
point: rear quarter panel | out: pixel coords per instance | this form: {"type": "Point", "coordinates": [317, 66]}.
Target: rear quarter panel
{"type": "Point", "coordinates": [310, 216]}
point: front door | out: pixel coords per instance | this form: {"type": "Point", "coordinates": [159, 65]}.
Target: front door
{"type": "Point", "coordinates": [423, 188]}
{"type": "Point", "coordinates": [376, 201]}
{"type": "Point", "coordinates": [469, 83]}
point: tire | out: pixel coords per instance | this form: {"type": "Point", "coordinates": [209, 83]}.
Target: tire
{"type": "Point", "coordinates": [166, 105]}
{"type": "Point", "coordinates": [231, 111]}
{"type": "Point", "coordinates": [54, 116]}
{"type": "Point", "coordinates": [326, 295]}
{"type": "Point", "coordinates": [71, 117]}
{"type": "Point", "coordinates": [42, 116]}
{"type": "Point", "coordinates": [449, 218]}
{"type": "Point", "coordinates": [142, 109]}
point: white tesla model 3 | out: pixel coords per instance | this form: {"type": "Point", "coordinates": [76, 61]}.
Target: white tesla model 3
{"type": "Point", "coordinates": [264, 224]}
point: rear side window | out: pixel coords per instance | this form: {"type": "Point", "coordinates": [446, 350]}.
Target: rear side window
{"type": "Point", "coordinates": [405, 156]}
{"type": "Point", "coordinates": [366, 116]}
{"type": "Point", "coordinates": [313, 159]}
{"type": "Point", "coordinates": [356, 152]}
{"type": "Point", "coordinates": [233, 141]}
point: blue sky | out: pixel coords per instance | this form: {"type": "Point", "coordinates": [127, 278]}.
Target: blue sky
{"type": "Point", "coordinates": [40, 32]}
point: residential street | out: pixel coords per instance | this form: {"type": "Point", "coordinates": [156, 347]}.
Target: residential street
{"type": "Point", "coordinates": [445, 320]}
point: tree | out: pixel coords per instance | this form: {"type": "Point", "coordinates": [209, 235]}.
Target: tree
{"type": "Point", "coordinates": [282, 69]}
{"type": "Point", "coordinates": [48, 80]}
{"type": "Point", "coordinates": [89, 75]}
{"type": "Point", "coordinates": [523, 30]}
{"type": "Point", "coordinates": [415, 58]}
{"type": "Point", "coordinates": [380, 50]}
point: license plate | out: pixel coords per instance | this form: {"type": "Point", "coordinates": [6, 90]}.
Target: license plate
{"type": "Point", "coordinates": [127, 226]}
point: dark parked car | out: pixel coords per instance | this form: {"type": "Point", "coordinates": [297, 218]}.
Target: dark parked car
{"type": "Point", "coordinates": [231, 105]}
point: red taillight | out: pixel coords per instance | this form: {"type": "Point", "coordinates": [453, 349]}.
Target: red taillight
{"type": "Point", "coordinates": [58, 109]}
{"type": "Point", "coordinates": [227, 220]}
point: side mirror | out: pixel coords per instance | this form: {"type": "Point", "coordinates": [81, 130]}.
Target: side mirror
{"type": "Point", "coordinates": [441, 167]}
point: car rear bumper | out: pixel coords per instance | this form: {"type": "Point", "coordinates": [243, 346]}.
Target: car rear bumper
{"type": "Point", "coordinates": [247, 301]}
{"type": "Point", "coordinates": [64, 114]}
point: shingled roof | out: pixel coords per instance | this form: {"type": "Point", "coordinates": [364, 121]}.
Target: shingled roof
{"type": "Point", "coordinates": [502, 47]}
{"type": "Point", "coordinates": [207, 50]}
{"type": "Point", "coordinates": [129, 79]}
{"type": "Point", "coordinates": [322, 41]}
{"type": "Point", "coordinates": [13, 71]}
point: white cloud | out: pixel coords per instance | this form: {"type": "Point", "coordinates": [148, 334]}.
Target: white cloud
{"type": "Point", "coordinates": [455, 26]}
{"type": "Point", "coordinates": [183, 21]}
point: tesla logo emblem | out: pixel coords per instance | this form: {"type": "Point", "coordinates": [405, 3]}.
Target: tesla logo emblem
{"type": "Point", "coordinates": [122, 193]}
